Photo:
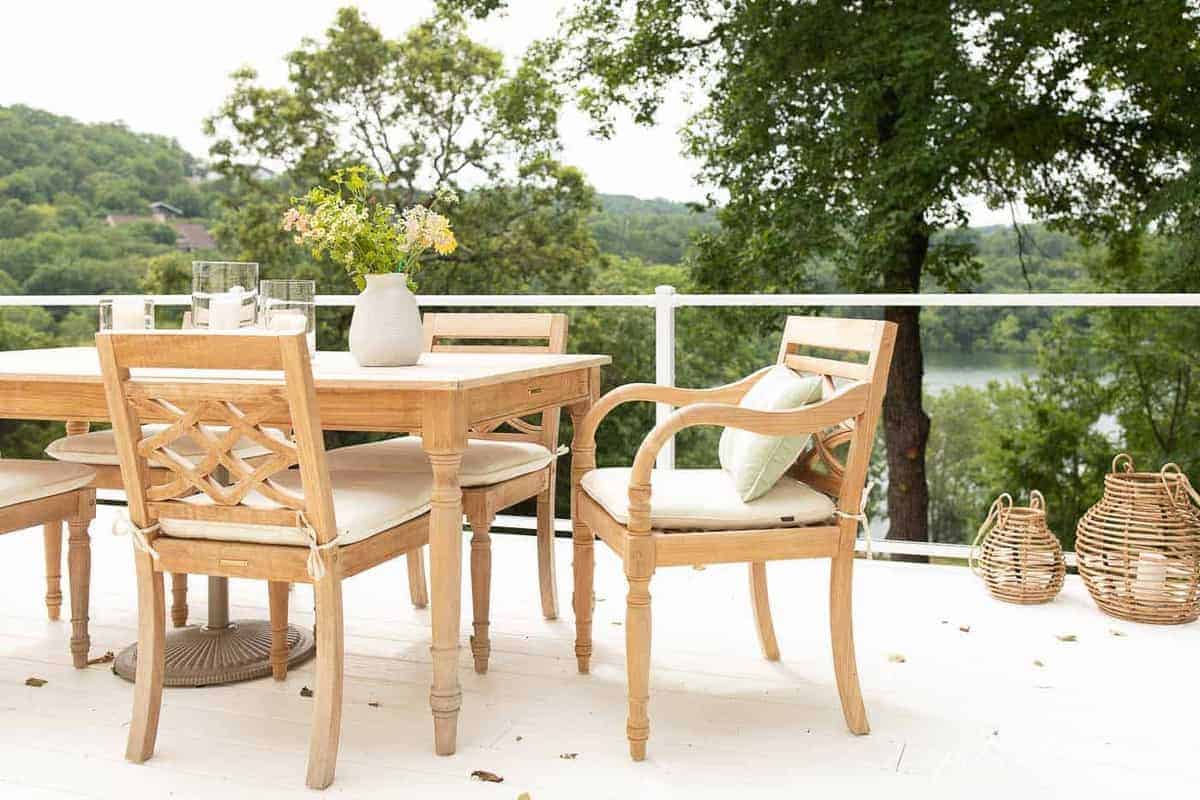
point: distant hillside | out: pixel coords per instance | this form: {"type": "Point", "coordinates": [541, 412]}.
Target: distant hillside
{"type": "Point", "coordinates": [75, 199]}
{"type": "Point", "coordinates": [656, 231]}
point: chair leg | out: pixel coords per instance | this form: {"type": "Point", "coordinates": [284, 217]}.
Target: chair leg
{"type": "Point", "coordinates": [637, 664]}
{"type": "Point", "coordinates": [179, 603]}
{"type": "Point", "coordinates": [760, 602]}
{"type": "Point", "coordinates": [481, 588]}
{"type": "Point", "coordinates": [79, 569]}
{"type": "Point", "coordinates": [277, 593]}
{"type": "Point", "coordinates": [52, 535]}
{"type": "Point", "coordinates": [327, 693]}
{"type": "Point", "coordinates": [842, 633]}
{"type": "Point", "coordinates": [548, 584]}
{"type": "Point", "coordinates": [416, 577]}
{"type": "Point", "coordinates": [151, 660]}
{"type": "Point", "coordinates": [584, 598]}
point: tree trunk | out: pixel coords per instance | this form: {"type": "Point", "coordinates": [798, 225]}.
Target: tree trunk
{"type": "Point", "coordinates": [905, 423]}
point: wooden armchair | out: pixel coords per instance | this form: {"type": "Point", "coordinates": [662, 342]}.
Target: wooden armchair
{"type": "Point", "coordinates": [268, 522]}
{"type": "Point", "coordinates": [631, 509]}
{"type": "Point", "coordinates": [506, 462]}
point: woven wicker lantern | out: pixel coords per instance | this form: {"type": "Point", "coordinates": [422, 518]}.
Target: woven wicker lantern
{"type": "Point", "coordinates": [1139, 547]}
{"type": "Point", "coordinates": [1015, 553]}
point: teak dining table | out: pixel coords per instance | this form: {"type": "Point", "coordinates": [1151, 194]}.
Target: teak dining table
{"type": "Point", "coordinates": [442, 398]}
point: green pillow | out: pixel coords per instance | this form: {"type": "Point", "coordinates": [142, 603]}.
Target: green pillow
{"type": "Point", "coordinates": [756, 462]}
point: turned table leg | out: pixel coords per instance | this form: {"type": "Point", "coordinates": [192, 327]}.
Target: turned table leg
{"type": "Point", "coordinates": [444, 437]}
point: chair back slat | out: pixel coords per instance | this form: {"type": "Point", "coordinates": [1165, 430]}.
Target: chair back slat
{"type": "Point", "coordinates": [241, 382]}
{"type": "Point", "coordinates": [520, 333]}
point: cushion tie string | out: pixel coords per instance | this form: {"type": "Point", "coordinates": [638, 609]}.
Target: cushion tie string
{"type": "Point", "coordinates": [316, 563]}
{"type": "Point", "coordinates": [861, 517]}
{"type": "Point", "coordinates": [123, 526]}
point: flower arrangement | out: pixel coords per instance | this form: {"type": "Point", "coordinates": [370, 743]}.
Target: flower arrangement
{"type": "Point", "coordinates": [365, 236]}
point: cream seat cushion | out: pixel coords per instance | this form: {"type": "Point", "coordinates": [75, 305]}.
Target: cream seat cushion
{"type": "Point", "coordinates": [364, 504]}
{"type": "Point", "coordinates": [22, 480]}
{"type": "Point", "coordinates": [706, 499]}
{"type": "Point", "coordinates": [99, 448]}
{"type": "Point", "coordinates": [484, 463]}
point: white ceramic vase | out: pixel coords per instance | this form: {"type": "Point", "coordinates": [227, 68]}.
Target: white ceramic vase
{"type": "Point", "coordinates": [385, 330]}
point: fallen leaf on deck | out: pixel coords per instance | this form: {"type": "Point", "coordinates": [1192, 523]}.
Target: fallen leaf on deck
{"type": "Point", "coordinates": [487, 777]}
{"type": "Point", "coordinates": [965, 628]}
{"type": "Point", "coordinates": [896, 658]}
{"type": "Point", "coordinates": [1066, 637]}
{"type": "Point", "coordinates": [35, 682]}
{"type": "Point", "coordinates": [305, 691]}
{"type": "Point", "coordinates": [1116, 632]}
{"type": "Point", "coordinates": [568, 756]}
{"type": "Point", "coordinates": [104, 659]}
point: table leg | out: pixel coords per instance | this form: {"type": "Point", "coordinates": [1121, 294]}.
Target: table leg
{"type": "Point", "coordinates": [444, 437]}
{"type": "Point", "coordinates": [583, 460]}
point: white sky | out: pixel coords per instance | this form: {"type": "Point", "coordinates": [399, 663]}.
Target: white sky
{"type": "Point", "coordinates": [161, 67]}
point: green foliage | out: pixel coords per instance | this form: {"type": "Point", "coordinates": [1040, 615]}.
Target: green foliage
{"type": "Point", "coordinates": [431, 109]}
{"type": "Point", "coordinates": [656, 231]}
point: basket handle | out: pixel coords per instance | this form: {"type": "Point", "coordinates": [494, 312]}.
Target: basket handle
{"type": "Point", "coordinates": [1037, 501]}
{"type": "Point", "coordinates": [996, 513]}
{"type": "Point", "coordinates": [1183, 486]}
{"type": "Point", "coordinates": [1122, 458]}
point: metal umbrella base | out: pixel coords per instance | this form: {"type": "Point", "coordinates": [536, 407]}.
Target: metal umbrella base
{"type": "Point", "coordinates": [221, 651]}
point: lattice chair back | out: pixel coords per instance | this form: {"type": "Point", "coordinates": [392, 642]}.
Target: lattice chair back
{"type": "Point", "coordinates": [256, 384]}
{"type": "Point", "coordinates": [503, 333]}
{"type": "Point", "coordinates": [837, 464]}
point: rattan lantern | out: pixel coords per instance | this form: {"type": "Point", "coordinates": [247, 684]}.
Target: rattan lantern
{"type": "Point", "coordinates": [1139, 547]}
{"type": "Point", "coordinates": [1015, 553]}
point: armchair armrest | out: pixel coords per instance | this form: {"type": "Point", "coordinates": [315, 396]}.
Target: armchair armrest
{"type": "Point", "coordinates": [849, 401]}
{"type": "Point", "coordinates": [730, 393]}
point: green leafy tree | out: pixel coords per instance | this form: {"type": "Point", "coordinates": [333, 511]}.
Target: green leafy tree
{"type": "Point", "coordinates": [429, 110]}
{"type": "Point", "coordinates": [856, 131]}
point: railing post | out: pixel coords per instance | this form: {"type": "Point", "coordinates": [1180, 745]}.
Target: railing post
{"type": "Point", "coordinates": [664, 362]}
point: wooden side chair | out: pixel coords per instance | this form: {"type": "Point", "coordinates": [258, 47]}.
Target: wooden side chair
{"type": "Point", "coordinates": [269, 522]}
{"type": "Point", "coordinates": [500, 467]}
{"type": "Point", "coordinates": [49, 494]}
{"type": "Point", "coordinates": [98, 451]}
{"type": "Point", "coordinates": [656, 518]}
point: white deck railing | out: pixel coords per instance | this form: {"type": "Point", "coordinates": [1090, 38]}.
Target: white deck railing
{"type": "Point", "coordinates": [666, 299]}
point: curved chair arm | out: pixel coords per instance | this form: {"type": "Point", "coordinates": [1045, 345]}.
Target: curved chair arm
{"type": "Point", "coordinates": [849, 401]}
{"type": "Point", "coordinates": [656, 393]}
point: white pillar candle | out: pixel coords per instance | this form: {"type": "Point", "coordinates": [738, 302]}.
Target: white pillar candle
{"type": "Point", "coordinates": [128, 313]}
{"type": "Point", "coordinates": [225, 311]}
{"type": "Point", "coordinates": [287, 321]}
{"type": "Point", "coordinates": [1151, 581]}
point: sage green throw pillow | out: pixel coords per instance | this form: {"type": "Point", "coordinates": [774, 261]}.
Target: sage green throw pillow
{"type": "Point", "coordinates": [756, 462]}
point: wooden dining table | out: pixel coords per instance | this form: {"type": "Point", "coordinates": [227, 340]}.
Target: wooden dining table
{"type": "Point", "coordinates": [442, 398]}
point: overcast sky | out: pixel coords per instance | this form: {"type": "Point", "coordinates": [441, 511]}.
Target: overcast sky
{"type": "Point", "coordinates": [161, 67]}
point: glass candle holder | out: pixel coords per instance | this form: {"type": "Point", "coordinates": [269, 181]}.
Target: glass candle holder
{"type": "Point", "coordinates": [290, 305]}
{"type": "Point", "coordinates": [126, 313]}
{"type": "Point", "coordinates": [224, 294]}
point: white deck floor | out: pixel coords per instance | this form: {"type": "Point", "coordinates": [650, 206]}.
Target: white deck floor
{"type": "Point", "coordinates": [966, 714]}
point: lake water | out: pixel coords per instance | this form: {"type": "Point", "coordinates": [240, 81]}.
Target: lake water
{"type": "Point", "coordinates": [947, 370]}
